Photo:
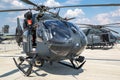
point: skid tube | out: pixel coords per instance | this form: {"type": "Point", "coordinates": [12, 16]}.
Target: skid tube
{"type": "Point", "coordinates": [28, 72]}
{"type": "Point", "coordinates": [30, 62]}
{"type": "Point", "coordinates": [81, 60]}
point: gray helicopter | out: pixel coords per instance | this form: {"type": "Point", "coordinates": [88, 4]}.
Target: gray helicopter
{"type": "Point", "coordinates": [4, 37]}
{"type": "Point", "coordinates": [1, 39]}
{"type": "Point", "coordinates": [47, 37]}
{"type": "Point", "coordinates": [100, 36]}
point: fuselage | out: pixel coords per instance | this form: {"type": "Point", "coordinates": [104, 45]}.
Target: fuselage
{"type": "Point", "coordinates": [58, 39]}
{"type": "Point", "coordinates": [97, 36]}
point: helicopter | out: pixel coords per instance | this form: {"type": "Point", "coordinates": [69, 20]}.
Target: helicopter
{"type": "Point", "coordinates": [100, 36]}
{"type": "Point", "coordinates": [1, 39]}
{"type": "Point", "coordinates": [5, 38]}
{"type": "Point", "coordinates": [55, 38]}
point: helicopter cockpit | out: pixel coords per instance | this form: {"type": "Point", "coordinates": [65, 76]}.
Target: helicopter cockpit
{"type": "Point", "coordinates": [58, 31]}
{"type": "Point", "coordinates": [59, 35]}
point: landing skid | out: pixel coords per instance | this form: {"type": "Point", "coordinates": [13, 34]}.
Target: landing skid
{"type": "Point", "coordinates": [28, 71]}
{"type": "Point", "coordinates": [31, 61]}
{"type": "Point", "coordinates": [76, 64]}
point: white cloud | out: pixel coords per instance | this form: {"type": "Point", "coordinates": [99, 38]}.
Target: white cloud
{"type": "Point", "coordinates": [16, 3]}
{"type": "Point", "coordinates": [78, 14]}
{"type": "Point", "coordinates": [51, 3]}
{"type": "Point", "coordinates": [74, 13]}
{"type": "Point", "coordinates": [111, 17]}
{"type": "Point", "coordinates": [103, 18]}
{"type": "Point", "coordinates": [70, 2]}
{"type": "Point", "coordinates": [21, 16]}
{"type": "Point", "coordinates": [6, 1]}
{"type": "Point", "coordinates": [12, 3]}
{"type": "Point", "coordinates": [83, 20]}
{"type": "Point", "coordinates": [13, 19]}
{"type": "Point", "coordinates": [1, 6]}
{"type": "Point", "coordinates": [115, 13]}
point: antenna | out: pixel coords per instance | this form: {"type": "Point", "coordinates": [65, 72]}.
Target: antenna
{"type": "Point", "coordinates": [58, 12]}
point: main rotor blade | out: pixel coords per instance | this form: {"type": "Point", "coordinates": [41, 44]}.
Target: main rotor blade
{"type": "Point", "coordinates": [11, 10]}
{"type": "Point", "coordinates": [86, 25]}
{"type": "Point", "coordinates": [113, 24]}
{"type": "Point", "coordinates": [67, 19]}
{"type": "Point", "coordinates": [29, 2]}
{"type": "Point", "coordinates": [101, 26]}
{"type": "Point", "coordinates": [88, 5]}
{"type": "Point", "coordinates": [113, 30]}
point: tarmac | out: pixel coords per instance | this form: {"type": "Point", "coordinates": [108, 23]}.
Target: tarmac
{"type": "Point", "coordinates": [100, 65]}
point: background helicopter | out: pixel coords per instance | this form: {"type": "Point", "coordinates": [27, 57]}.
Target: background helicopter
{"type": "Point", "coordinates": [100, 36]}
{"type": "Point", "coordinates": [6, 37]}
{"type": "Point", "coordinates": [56, 39]}
{"type": "Point", "coordinates": [2, 39]}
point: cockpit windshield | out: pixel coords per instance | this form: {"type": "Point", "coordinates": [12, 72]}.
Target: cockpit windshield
{"type": "Point", "coordinates": [58, 29]}
{"type": "Point", "coordinates": [54, 24]}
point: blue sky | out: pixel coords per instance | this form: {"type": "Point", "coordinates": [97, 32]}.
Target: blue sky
{"type": "Point", "coordinates": [95, 15]}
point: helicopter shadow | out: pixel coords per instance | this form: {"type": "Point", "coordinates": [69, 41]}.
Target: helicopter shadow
{"type": "Point", "coordinates": [58, 69]}
{"type": "Point", "coordinates": [9, 73]}
{"type": "Point", "coordinates": [113, 60]}
{"type": "Point", "coordinates": [100, 48]}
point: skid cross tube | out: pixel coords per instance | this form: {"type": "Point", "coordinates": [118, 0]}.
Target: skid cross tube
{"type": "Point", "coordinates": [73, 64]}
{"type": "Point", "coordinates": [28, 72]}
{"type": "Point", "coordinates": [31, 63]}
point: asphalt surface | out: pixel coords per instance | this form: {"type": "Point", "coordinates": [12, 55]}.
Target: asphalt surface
{"type": "Point", "coordinates": [100, 65]}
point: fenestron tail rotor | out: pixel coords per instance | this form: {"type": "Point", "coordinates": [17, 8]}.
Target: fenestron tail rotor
{"type": "Point", "coordinates": [19, 33]}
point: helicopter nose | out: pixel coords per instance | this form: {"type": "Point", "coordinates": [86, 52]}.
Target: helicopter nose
{"type": "Point", "coordinates": [61, 44]}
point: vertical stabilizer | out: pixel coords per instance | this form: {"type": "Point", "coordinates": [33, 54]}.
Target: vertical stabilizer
{"type": "Point", "coordinates": [19, 32]}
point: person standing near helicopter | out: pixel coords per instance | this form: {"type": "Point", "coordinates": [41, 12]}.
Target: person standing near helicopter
{"type": "Point", "coordinates": [29, 24]}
